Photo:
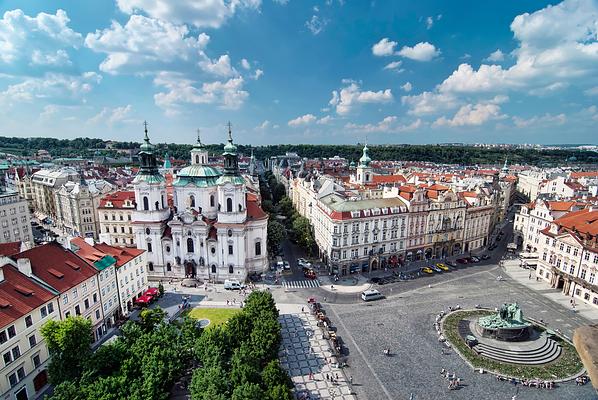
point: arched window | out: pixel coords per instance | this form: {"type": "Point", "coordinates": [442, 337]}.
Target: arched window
{"type": "Point", "coordinates": [189, 245]}
{"type": "Point", "coordinates": [145, 203]}
{"type": "Point", "coordinates": [157, 204]}
{"type": "Point", "coordinates": [258, 248]}
{"type": "Point", "coordinates": [240, 208]}
{"type": "Point", "coordinates": [149, 247]}
{"type": "Point", "coordinates": [162, 197]}
{"type": "Point", "coordinates": [168, 267]}
{"type": "Point", "coordinates": [229, 205]}
{"type": "Point", "coordinates": [191, 201]}
{"type": "Point", "coordinates": [196, 159]}
{"type": "Point", "coordinates": [213, 268]}
{"type": "Point", "coordinates": [211, 200]}
{"type": "Point", "coordinates": [150, 265]}
{"type": "Point", "coordinates": [230, 269]}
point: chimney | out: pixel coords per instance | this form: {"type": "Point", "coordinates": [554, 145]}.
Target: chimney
{"type": "Point", "coordinates": [89, 241]}
{"type": "Point", "coordinates": [24, 266]}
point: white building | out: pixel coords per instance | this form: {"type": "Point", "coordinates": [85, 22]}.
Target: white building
{"type": "Point", "coordinates": [43, 185]}
{"type": "Point", "coordinates": [529, 181]}
{"type": "Point", "coordinates": [25, 305]}
{"type": "Point", "coordinates": [569, 255]}
{"type": "Point", "coordinates": [76, 205]}
{"type": "Point", "coordinates": [15, 221]}
{"type": "Point", "coordinates": [115, 214]}
{"type": "Point", "coordinates": [216, 231]}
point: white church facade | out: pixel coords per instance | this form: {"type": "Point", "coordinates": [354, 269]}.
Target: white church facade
{"type": "Point", "coordinates": [216, 229]}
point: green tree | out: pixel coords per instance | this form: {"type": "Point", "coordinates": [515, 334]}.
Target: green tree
{"type": "Point", "coordinates": [303, 233]}
{"type": "Point", "coordinates": [276, 234]}
{"type": "Point", "coordinates": [69, 345]}
{"type": "Point", "coordinates": [279, 392]}
{"type": "Point", "coordinates": [260, 305]}
{"type": "Point", "coordinates": [248, 391]}
{"type": "Point", "coordinates": [278, 192]}
{"type": "Point", "coordinates": [149, 318]}
{"type": "Point", "coordinates": [273, 375]}
{"type": "Point", "coordinates": [209, 382]}
{"type": "Point", "coordinates": [285, 205]}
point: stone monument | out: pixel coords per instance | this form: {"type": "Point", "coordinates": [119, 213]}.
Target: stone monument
{"type": "Point", "coordinates": [507, 324]}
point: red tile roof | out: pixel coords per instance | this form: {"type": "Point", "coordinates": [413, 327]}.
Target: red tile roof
{"type": "Point", "coordinates": [582, 221]}
{"type": "Point", "coordinates": [15, 300]}
{"type": "Point", "coordinates": [118, 199]}
{"type": "Point", "coordinates": [382, 179]}
{"type": "Point", "coordinates": [122, 254]}
{"type": "Point", "coordinates": [51, 260]}
{"type": "Point", "coordinates": [10, 248]}
{"type": "Point", "coordinates": [254, 211]}
{"type": "Point", "coordinates": [561, 205]}
{"type": "Point", "coordinates": [584, 174]}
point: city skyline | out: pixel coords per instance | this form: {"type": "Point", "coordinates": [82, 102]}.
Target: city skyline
{"type": "Point", "coordinates": [321, 72]}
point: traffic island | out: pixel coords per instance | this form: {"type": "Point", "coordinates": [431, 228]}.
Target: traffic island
{"type": "Point", "coordinates": [538, 354]}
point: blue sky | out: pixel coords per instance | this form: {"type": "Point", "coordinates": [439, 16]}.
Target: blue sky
{"type": "Point", "coordinates": [301, 71]}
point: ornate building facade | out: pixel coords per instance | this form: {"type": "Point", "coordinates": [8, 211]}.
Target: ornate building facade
{"type": "Point", "coordinates": [216, 230]}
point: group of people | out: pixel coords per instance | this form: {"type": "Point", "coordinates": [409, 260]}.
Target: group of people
{"type": "Point", "coordinates": [454, 382]}
{"type": "Point", "coordinates": [537, 383]}
{"type": "Point", "coordinates": [581, 380]}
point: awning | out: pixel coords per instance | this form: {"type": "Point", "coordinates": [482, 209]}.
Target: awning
{"type": "Point", "coordinates": [151, 292]}
{"type": "Point", "coordinates": [145, 299]}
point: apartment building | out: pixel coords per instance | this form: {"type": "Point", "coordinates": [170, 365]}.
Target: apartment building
{"type": "Point", "coordinates": [44, 183]}
{"type": "Point", "coordinates": [360, 235]}
{"type": "Point", "coordinates": [125, 274]}
{"type": "Point", "coordinates": [446, 222]}
{"type": "Point", "coordinates": [115, 213]}
{"type": "Point", "coordinates": [480, 209]}
{"type": "Point", "coordinates": [569, 255]}
{"type": "Point", "coordinates": [15, 221]}
{"type": "Point", "coordinates": [74, 279]}
{"type": "Point", "coordinates": [25, 305]}
{"type": "Point", "coordinates": [76, 204]}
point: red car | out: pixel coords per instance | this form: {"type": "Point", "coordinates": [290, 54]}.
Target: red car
{"type": "Point", "coordinates": [462, 260]}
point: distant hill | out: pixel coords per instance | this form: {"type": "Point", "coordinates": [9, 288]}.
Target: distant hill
{"type": "Point", "coordinates": [441, 153]}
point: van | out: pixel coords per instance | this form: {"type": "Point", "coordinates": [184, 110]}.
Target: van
{"type": "Point", "coordinates": [233, 285]}
{"type": "Point", "coordinates": [371, 294]}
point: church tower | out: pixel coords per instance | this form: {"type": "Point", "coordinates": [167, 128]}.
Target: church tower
{"type": "Point", "coordinates": [152, 208]}
{"type": "Point", "coordinates": [199, 154]}
{"type": "Point", "coordinates": [364, 170]}
{"type": "Point", "coordinates": [232, 206]}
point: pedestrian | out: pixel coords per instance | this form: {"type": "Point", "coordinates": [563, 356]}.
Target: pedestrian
{"type": "Point", "coordinates": [530, 276]}
{"type": "Point", "coordinates": [227, 302]}
{"type": "Point", "coordinates": [311, 376]}
{"type": "Point", "coordinates": [327, 377]}
{"type": "Point", "coordinates": [324, 299]}
{"type": "Point", "coordinates": [336, 376]}
{"type": "Point", "coordinates": [302, 309]}
{"type": "Point", "coordinates": [351, 379]}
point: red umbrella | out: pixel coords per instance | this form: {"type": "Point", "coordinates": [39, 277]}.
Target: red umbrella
{"type": "Point", "coordinates": [145, 299]}
{"type": "Point", "coordinates": [151, 292]}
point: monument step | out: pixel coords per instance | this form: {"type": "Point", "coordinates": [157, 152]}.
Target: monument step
{"type": "Point", "coordinates": [547, 354]}
{"type": "Point", "coordinates": [518, 347]}
{"type": "Point", "coordinates": [541, 361]}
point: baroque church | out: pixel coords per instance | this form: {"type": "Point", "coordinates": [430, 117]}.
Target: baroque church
{"type": "Point", "coordinates": [216, 229]}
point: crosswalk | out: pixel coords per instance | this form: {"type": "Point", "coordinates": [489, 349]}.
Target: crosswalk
{"type": "Point", "coordinates": [302, 284]}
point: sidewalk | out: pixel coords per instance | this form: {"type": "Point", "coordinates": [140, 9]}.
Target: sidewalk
{"type": "Point", "coordinates": [521, 275]}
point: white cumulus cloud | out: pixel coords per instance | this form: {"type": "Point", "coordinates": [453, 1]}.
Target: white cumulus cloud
{"type": "Point", "coordinates": [385, 47]}
{"type": "Point", "coordinates": [302, 120]}
{"type": "Point", "coordinates": [422, 51]}
{"type": "Point", "coordinates": [472, 115]}
{"type": "Point", "coordinates": [496, 56]}
{"type": "Point", "coordinates": [200, 13]}
{"type": "Point", "coordinates": [407, 87]}
{"type": "Point", "coordinates": [345, 99]}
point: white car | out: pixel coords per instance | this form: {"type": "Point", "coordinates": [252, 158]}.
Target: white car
{"type": "Point", "coordinates": [302, 262]}
{"type": "Point", "coordinates": [286, 265]}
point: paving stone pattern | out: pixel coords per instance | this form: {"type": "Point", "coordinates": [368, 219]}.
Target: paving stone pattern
{"type": "Point", "coordinates": [303, 351]}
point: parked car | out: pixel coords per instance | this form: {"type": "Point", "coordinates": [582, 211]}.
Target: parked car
{"type": "Point", "coordinates": [286, 265]}
{"type": "Point", "coordinates": [462, 261]}
{"type": "Point", "coordinates": [451, 263]}
{"type": "Point", "coordinates": [233, 285]}
{"type": "Point", "coordinates": [371, 294]}
{"type": "Point", "coordinates": [485, 257]}
{"type": "Point", "coordinates": [475, 259]}
{"type": "Point", "coordinates": [435, 268]}
{"type": "Point", "coordinates": [427, 270]}
{"type": "Point", "coordinates": [442, 267]}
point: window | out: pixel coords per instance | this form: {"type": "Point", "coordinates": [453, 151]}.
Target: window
{"type": "Point", "coordinates": [86, 303]}
{"type": "Point", "coordinates": [190, 247]}
{"type": "Point", "coordinates": [213, 250]}
{"type": "Point", "coordinates": [12, 378]}
{"type": "Point", "coordinates": [145, 203]}
{"type": "Point", "coordinates": [211, 200]}
{"type": "Point", "coordinates": [229, 205]}
{"type": "Point", "coordinates": [28, 321]}
{"type": "Point", "coordinates": [230, 269]}
{"type": "Point", "coordinates": [97, 314]}
{"type": "Point", "coordinates": [258, 248]}
{"type": "Point", "coordinates": [7, 358]}
{"type": "Point", "coordinates": [213, 269]}
{"type": "Point", "coordinates": [32, 341]}
{"type": "Point", "coordinates": [36, 361]}
{"type": "Point", "coordinates": [43, 312]}
{"type": "Point", "coordinates": [157, 205]}
{"type": "Point", "coordinates": [12, 332]}
{"type": "Point", "coordinates": [95, 298]}
{"type": "Point", "coordinates": [191, 201]}
{"type": "Point", "coordinates": [149, 247]}
{"type": "Point", "coordinates": [230, 249]}
{"type": "Point", "coordinates": [150, 266]}
{"type": "Point", "coordinates": [168, 267]}
{"type": "Point", "coordinates": [50, 308]}
{"type": "Point", "coordinates": [16, 352]}
{"type": "Point", "coordinates": [77, 310]}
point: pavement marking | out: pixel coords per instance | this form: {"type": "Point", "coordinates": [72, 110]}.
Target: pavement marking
{"type": "Point", "coordinates": [341, 323]}
{"type": "Point", "coordinates": [302, 284]}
